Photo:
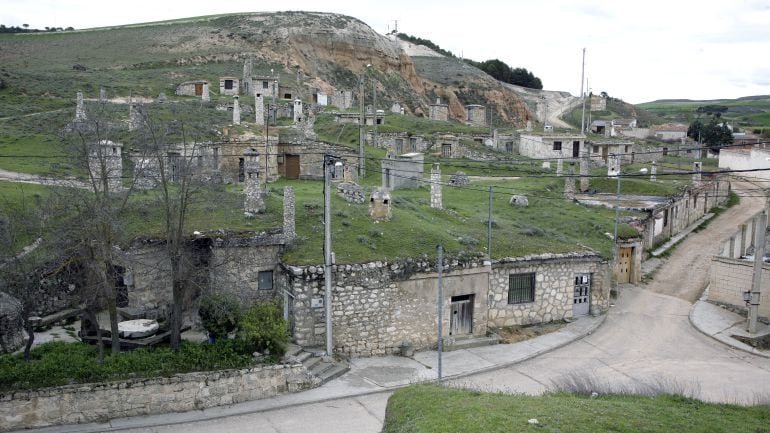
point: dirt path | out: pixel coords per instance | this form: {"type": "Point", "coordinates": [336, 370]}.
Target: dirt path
{"type": "Point", "coordinates": [686, 272]}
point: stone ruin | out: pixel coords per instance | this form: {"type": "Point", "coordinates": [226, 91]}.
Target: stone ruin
{"type": "Point", "coordinates": [379, 205]}
{"type": "Point", "coordinates": [351, 192]}
{"type": "Point", "coordinates": [459, 179]}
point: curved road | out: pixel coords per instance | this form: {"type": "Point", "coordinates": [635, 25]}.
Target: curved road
{"type": "Point", "coordinates": [646, 340]}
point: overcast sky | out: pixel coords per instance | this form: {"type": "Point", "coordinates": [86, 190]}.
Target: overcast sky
{"type": "Point", "coordinates": [637, 51]}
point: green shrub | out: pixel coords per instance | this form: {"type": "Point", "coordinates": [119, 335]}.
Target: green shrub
{"type": "Point", "coordinates": [219, 314]}
{"type": "Point", "coordinates": [58, 363]}
{"type": "Point", "coordinates": [264, 330]}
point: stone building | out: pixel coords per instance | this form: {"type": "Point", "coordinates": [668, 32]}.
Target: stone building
{"type": "Point", "coordinates": [198, 88]}
{"type": "Point", "coordinates": [448, 146]}
{"type": "Point", "coordinates": [438, 111]}
{"type": "Point", "coordinates": [378, 306]}
{"type": "Point", "coordinates": [551, 145]}
{"type": "Point", "coordinates": [402, 171]}
{"type": "Point", "coordinates": [542, 289]}
{"type": "Point", "coordinates": [11, 324]}
{"type": "Point", "coordinates": [342, 99]}
{"type": "Point", "coordinates": [302, 158]}
{"type": "Point", "coordinates": [399, 143]}
{"type": "Point", "coordinates": [598, 103]}
{"type": "Point", "coordinates": [477, 115]}
{"type": "Point", "coordinates": [229, 86]}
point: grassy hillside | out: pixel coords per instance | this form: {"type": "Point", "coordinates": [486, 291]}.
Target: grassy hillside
{"type": "Point", "coordinates": [749, 112]}
{"type": "Point", "coordinates": [616, 109]}
{"type": "Point", "coordinates": [433, 409]}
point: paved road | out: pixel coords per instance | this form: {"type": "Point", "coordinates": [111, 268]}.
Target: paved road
{"type": "Point", "coordinates": [646, 339]}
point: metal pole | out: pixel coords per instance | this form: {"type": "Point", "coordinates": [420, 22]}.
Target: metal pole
{"type": "Point", "coordinates": [582, 95]}
{"type": "Point", "coordinates": [361, 123]}
{"type": "Point", "coordinates": [440, 307]}
{"type": "Point", "coordinates": [759, 260]}
{"type": "Point", "coordinates": [328, 256]}
{"type": "Point", "coordinates": [489, 225]}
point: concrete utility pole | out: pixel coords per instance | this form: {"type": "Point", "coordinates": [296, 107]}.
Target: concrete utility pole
{"type": "Point", "coordinates": [759, 261]}
{"type": "Point", "coordinates": [374, 111]}
{"type": "Point", "coordinates": [489, 225]}
{"type": "Point", "coordinates": [616, 249]}
{"type": "Point", "coordinates": [328, 165]}
{"type": "Point", "coordinates": [440, 307]}
{"type": "Point", "coordinates": [583, 95]}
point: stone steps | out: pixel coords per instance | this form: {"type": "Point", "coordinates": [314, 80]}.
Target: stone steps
{"type": "Point", "coordinates": [317, 363]}
{"type": "Point", "coordinates": [467, 342]}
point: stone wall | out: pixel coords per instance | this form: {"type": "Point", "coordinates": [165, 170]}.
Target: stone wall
{"type": "Point", "coordinates": [554, 288]}
{"type": "Point", "coordinates": [729, 278]}
{"type": "Point", "coordinates": [184, 392]}
{"type": "Point", "coordinates": [377, 306]}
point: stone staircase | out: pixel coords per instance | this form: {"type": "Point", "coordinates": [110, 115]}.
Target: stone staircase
{"type": "Point", "coordinates": [317, 363]}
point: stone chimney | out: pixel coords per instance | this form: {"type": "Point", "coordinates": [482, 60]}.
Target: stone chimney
{"type": "Point", "coordinates": [253, 202]}
{"type": "Point", "coordinates": [80, 109]}
{"type": "Point", "coordinates": [259, 109]}
{"type": "Point", "coordinates": [436, 201]}
{"type": "Point", "coordinates": [289, 230]}
{"type": "Point", "coordinates": [205, 95]}
{"type": "Point", "coordinates": [696, 172]}
{"type": "Point", "coordinates": [585, 166]}
{"type": "Point", "coordinates": [236, 111]}
{"type": "Point", "coordinates": [297, 110]}
{"type": "Point", "coordinates": [569, 183]}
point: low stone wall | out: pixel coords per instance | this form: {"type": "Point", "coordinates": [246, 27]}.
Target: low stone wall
{"type": "Point", "coordinates": [102, 401]}
{"type": "Point", "coordinates": [729, 278]}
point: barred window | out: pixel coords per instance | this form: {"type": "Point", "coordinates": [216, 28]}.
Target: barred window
{"type": "Point", "coordinates": [521, 288]}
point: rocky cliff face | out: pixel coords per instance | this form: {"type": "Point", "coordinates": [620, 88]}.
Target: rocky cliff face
{"type": "Point", "coordinates": [331, 51]}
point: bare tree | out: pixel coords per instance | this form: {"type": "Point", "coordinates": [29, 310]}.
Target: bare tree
{"type": "Point", "coordinates": [174, 150]}
{"type": "Point", "coordinates": [98, 200]}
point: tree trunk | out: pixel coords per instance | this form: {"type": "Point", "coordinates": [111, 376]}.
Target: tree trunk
{"type": "Point", "coordinates": [99, 343]}
{"type": "Point", "coordinates": [176, 307]}
{"type": "Point", "coordinates": [31, 333]}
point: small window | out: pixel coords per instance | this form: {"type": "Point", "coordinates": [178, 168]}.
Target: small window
{"type": "Point", "coordinates": [399, 146]}
{"type": "Point", "coordinates": [628, 148]}
{"type": "Point", "coordinates": [264, 84]}
{"type": "Point", "coordinates": [228, 84]}
{"type": "Point", "coordinates": [595, 149]}
{"type": "Point", "coordinates": [265, 280]}
{"type": "Point", "coordinates": [287, 96]}
{"type": "Point", "coordinates": [521, 288]}
{"type": "Point", "coordinates": [557, 145]}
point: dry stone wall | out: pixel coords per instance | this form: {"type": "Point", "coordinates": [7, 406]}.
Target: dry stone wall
{"type": "Point", "coordinates": [184, 392]}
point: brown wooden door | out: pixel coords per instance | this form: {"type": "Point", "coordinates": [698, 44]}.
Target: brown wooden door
{"type": "Point", "coordinates": [624, 265]}
{"type": "Point", "coordinates": [198, 89]}
{"type": "Point", "coordinates": [292, 166]}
